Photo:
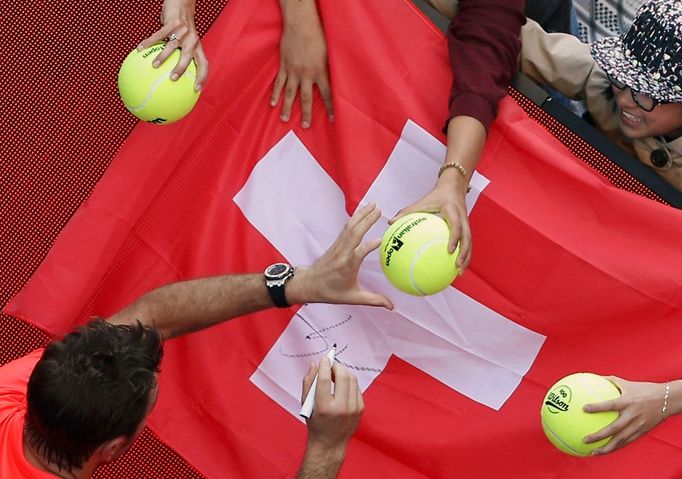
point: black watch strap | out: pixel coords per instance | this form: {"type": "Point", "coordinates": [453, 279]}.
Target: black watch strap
{"type": "Point", "coordinates": [277, 295]}
{"type": "Point", "coordinates": [276, 276]}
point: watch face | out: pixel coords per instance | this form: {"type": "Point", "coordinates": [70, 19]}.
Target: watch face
{"type": "Point", "coordinates": [277, 270]}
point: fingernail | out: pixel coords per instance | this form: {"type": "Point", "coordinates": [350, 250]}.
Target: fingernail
{"type": "Point", "coordinates": [284, 118]}
{"type": "Point", "coordinates": [156, 64]}
{"type": "Point", "coordinates": [331, 118]}
{"type": "Point", "coordinates": [139, 47]}
{"type": "Point", "coordinates": [273, 102]}
{"type": "Point", "coordinates": [174, 76]}
{"type": "Point", "coordinates": [198, 87]}
{"type": "Point", "coordinates": [305, 124]}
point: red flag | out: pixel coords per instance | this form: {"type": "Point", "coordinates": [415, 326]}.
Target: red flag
{"type": "Point", "coordinates": [558, 251]}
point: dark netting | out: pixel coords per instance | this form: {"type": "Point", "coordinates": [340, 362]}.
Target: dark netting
{"type": "Point", "coordinates": [61, 124]}
{"type": "Point", "coordinates": [583, 150]}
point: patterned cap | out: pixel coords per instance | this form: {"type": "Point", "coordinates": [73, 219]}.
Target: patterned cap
{"type": "Point", "coordinates": [648, 57]}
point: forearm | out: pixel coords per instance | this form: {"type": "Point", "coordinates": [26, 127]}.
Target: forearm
{"type": "Point", "coordinates": [321, 463]}
{"type": "Point", "coordinates": [174, 6]}
{"type": "Point", "coordinates": [296, 11]}
{"type": "Point", "coordinates": [187, 306]}
{"type": "Point", "coordinates": [466, 138]}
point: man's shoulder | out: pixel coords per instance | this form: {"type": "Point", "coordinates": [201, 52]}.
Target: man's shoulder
{"type": "Point", "coordinates": [14, 377]}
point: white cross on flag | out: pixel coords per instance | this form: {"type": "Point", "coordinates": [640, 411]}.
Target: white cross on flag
{"type": "Point", "coordinates": [449, 336]}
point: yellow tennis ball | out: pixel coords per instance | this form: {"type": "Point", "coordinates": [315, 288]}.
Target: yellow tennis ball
{"type": "Point", "coordinates": [414, 254]}
{"type": "Point", "coordinates": [149, 93]}
{"type": "Point", "coordinates": [563, 419]}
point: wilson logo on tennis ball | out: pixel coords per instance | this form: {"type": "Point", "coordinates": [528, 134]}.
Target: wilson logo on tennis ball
{"type": "Point", "coordinates": [414, 254]}
{"type": "Point", "coordinates": [558, 400]}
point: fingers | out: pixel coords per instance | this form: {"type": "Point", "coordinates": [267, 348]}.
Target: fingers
{"type": "Point", "coordinates": [303, 85]}
{"type": "Point", "coordinates": [185, 58]}
{"type": "Point", "coordinates": [362, 220]}
{"type": "Point", "coordinates": [323, 395]}
{"type": "Point", "coordinates": [326, 93]}
{"type": "Point", "coordinates": [155, 37]}
{"type": "Point", "coordinates": [341, 382]}
{"type": "Point", "coordinates": [289, 97]}
{"type": "Point", "coordinates": [306, 102]}
{"type": "Point", "coordinates": [280, 81]}
{"type": "Point", "coordinates": [308, 380]}
{"type": "Point", "coordinates": [464, 256]}
{"type": "Point", "coordinates": [368, 298]}
{"type": "Point", "coordinates": [612, 429]}
{"type": "Point", "coordinates": [611, 405]}
{"type": "Point", "coordinates": [202, 67]}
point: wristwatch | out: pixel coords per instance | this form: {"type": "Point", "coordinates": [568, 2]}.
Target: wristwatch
{"type": "Point", "coordinates": [276, 276]}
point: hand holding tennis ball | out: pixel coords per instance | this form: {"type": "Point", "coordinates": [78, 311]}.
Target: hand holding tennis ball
{"type": "Point", "coordinates": [149, 93]}
{"type": "Point", "coordinates": [414, 254]}
{"type": "Point", "coordinates": [566, 423]}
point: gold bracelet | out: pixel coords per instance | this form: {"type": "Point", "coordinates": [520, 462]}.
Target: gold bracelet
{"type": "Point", "coordinates": [452, 164]}
{"type": "Point", "coordinates": [664, 409]}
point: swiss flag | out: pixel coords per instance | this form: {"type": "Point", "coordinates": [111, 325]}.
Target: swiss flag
{"type": "Point", "coordinates": [590, 273]}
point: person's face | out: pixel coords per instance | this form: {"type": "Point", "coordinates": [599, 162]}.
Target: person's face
{"type": "Point", "coordinates": [635, 123]}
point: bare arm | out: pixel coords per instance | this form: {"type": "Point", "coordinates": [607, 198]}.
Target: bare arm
{"type": "Point", "coordinates": [187, 306]}
{"type": "Point", "coordinates": [483, 37]}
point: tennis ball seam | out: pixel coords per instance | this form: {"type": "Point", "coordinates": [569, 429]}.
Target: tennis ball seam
{"type": "Point", "coordinates": [564, 443]}
{"type": "Point", "coordinates": [152, 90]}
{"type": "Point", "coordinates": [415, 258]}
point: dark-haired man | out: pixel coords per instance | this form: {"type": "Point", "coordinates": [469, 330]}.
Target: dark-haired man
{"type": "Point", "coordinates": [82, 400]}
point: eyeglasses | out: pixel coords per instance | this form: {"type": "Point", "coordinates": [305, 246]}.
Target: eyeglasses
{"type": "Point", "coordinates": [645, 102]}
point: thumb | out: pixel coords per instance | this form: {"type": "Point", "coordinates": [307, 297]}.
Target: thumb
{"type": "Point", "coordinates": [368, 298]}
{"type": "Point", "coordinates": [405, 211]}
{"type": "Point", "coordinates": [308, 380]}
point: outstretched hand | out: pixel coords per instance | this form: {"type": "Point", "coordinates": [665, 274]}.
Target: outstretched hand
{"type": "Point", "coordinates": [639, 409]}
{"type": "Point", "coordinates": [333, 278]}
{"type": "Point", "coordinates": [179, 30]}
{"type": "Point", "coordinates": [303, 62]}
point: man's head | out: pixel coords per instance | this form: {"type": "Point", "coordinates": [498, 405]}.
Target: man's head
{"type": "Point", "coordinates": [92, 391]}
{"type": "Point", "coordinates": [645, 68]}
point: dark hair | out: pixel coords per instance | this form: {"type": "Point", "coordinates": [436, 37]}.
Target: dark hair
{"type": "Point", "coordinates": [90, 387]}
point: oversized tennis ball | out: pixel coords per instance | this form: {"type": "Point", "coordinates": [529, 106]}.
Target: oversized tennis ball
{"type": "Point", "coordinates": [149, 93]}
{"type": "Point", "coordinates": [414, 254]}
{"type": "Point", "coordinates": [563, 419]}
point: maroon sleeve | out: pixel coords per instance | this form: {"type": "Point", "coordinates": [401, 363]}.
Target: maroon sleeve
{"type": "Point", "coordinates": [484, 41]}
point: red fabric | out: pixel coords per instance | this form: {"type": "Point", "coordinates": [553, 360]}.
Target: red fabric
{"type": "Point", "coordinates": [13, 380]}
{"type": "Point", "coordinates": [485, 41]}
{"type": "Point", "coordinates": [558, 250]}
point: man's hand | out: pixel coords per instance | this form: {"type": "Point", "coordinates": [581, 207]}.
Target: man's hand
{"type": "Point", "coordinates": [335, 418]}
{"type": "Point", "coordinates": [303, 61]}
{"type": "Point", "coordinates": [177, 20]}
{"type": "Point", "coordinates": [639, 408]}
{"type": "Point", "coordinates": [334, 277]}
